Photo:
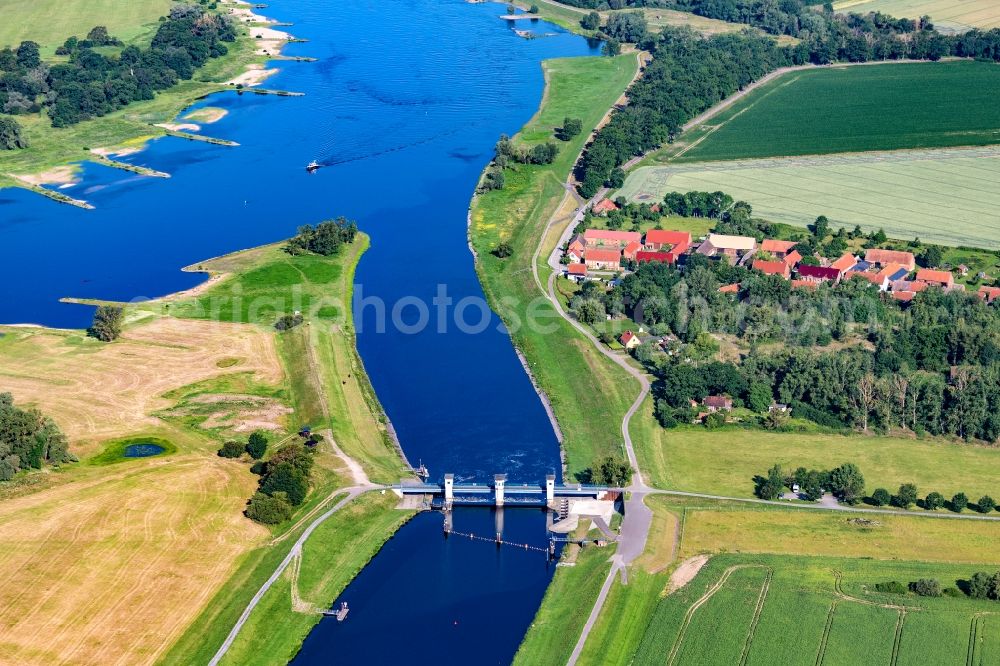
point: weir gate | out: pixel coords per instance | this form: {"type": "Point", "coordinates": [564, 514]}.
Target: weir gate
{"type": "Point", "coordinates": [501, 493]}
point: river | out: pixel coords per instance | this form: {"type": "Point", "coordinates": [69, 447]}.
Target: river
{"type": "Point", "coordinates": [404, 105]}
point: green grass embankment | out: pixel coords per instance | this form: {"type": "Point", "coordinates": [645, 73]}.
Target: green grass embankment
{"type": "Point", "coordinates": [589, 393]}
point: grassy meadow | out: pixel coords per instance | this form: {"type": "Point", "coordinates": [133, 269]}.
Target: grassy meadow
{"type": "Point", "coordinates": [908, 193]}
{"type": "Point", "coordinates": [50, 22]}
{"type": "Point", "coordinates": [947, 15]}
{"type": "Point", "coordinates": [695, 459]}
{"type": "Point", "coordinates": [579, 381]}
{"type": "Point", "coordinates": [854, 109]}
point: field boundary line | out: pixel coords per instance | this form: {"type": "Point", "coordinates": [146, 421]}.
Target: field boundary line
{"type": "Point", "coordinates": [704, 599]}
{"type": "Point", "coordinates": [756, 616]}
{"type": "Point", "coordinates": [825, 638]}
{"type": "Point", "coordinates": [898, 638]}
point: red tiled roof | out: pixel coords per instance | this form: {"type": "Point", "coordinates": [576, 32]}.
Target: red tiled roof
{"type": "Point", "coordinates": [576, 269]}
{"type": "Point", "coordinates": [877, 256]}
{"type": "Point", "coordinates": [871, 277]}
{"type": "Point", "coordinates": [905, 296]}
{"type": "Point", "coordinates": [601, 254]}
{"type": "Point", "coordinates": [935, 277]}
{"type": "Point", "coordinates": [662, 257]}
{"type": "Point", "coordinates": [627, 337]}
{"type": "Point", "coordinates": [604, 205]}
{"type": "Point", "coordinates": [729, 288]}
{"type": "Point", "coordinates": [792, 258]}
{"type": "Point", "coordinates": [989, 294]}
{"type": "Point", "coordinates": [771, 267]}
{"type": "Point", "coordinates": [804, 284]}
{"type": "Point", "coordinates": [665, 236]}
{"type": "Point", "coordinates": [631, 249]}
{"type": "Point", "coordinates": [846, 261]}
{"type": "Point", "coordinates": [776, 246]}
{"type": "Point", "coordinates": [889, 270]}
{"type": "Point", "coordinates": [621, 237]}
{"type": "Point", "coordinates": [717, 401]}
{"type": "Point", "coordinates": [818, 272]}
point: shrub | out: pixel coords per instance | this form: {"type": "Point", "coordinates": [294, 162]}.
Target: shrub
{"type": "Point", "coordinates": [571, 127]}
{"type": "Point", "coordinates": [715, 420]}
{"type": "Point", "coordinates": [257, 445]}
{"type": "Point", "coordinates": [891, 587]}
{"type": "Point", "coordinates": [986, 504]}
{"type": "Point", "coordinates": [926, 587]}
{"type": "Point", "coordinates": [881, 497]}
{"type": "Point", "coordinates": [503, 250]}
{"type": "Point", "coordinates": [269, 509]}
{"type": "Point", "coordinates": [289, 321]}
{"type": "Point", "coordinates": [984, 586]}
{"type": "Point", "coordinates": [959, 502]}
{"type": "Point", "coordinates": [11, 136]}
{"type": "Point", "coordinates": [933, 501]}
{"type": "Point", "coordinates": [952, 592]}
{"type": "Point", "coordinates": [231, 449]}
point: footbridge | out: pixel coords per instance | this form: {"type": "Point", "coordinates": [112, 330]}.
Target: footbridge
{"type": "Point", "coordinates": [500, 492]}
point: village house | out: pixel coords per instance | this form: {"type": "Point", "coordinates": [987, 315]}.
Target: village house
{"type": "Point", "coordinates": [604, 206]}
{"type": "Point", "coordinates": [845, 263]}
{"type": "Point", "coordinates": [631, 249]}
{"type": "Point", "coordinates": [607, 238]}
{"type": "Point", "coordinates": [877, 257]}
{"type": "Point", "coordinates": [717, 403]}
{"type": "Point", "coordinates": [818, 273]}
{"type": "Point", "coordinates": [792, 258]}
{"type": "Point", "coordinates": [773, 268]}
{"type": "Point", "coordinates": [576, 272]}
{"type": "Point", "coordinates": [629, 340]}
{"type": "Point", "coordinates": [729, 288]}
{"type": "Point", "coordinates": [643, 256]}
{"type": "Point", "coordinates": [779, 248]}
{"type": "Point", "coordinates": [602, 259]}
{"type": "Point", "coordinates": [731, 247]}
{"type": "Point", "coordinates": [989, 294]}
{"type": "Point", "coordinates": [674, 243]}
{"type": "Point", "coordinates": [942, 279]}
{"type": "Point", "coordinates": [575, 248]}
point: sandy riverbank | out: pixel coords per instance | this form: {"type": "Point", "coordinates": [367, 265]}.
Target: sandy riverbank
{"type": "Point", "coordinates": [60, 175]}
{"type": "Point", "coordinates": [207, 115]}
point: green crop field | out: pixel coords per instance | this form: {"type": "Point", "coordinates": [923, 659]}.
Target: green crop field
{"type": "Point", "coordinates": [800, 610]}
{"type": "Point", "coordinates": [855, 109]}
{"type": "Point", "coordinates": [947, 15]}
{"type": "Point", "coordinates": [947, 196]}
{"type": "Point", "coordinates": [50, 22]}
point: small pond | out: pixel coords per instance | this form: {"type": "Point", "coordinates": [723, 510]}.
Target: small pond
{"type": "Point", "coordinates": [143, 450]}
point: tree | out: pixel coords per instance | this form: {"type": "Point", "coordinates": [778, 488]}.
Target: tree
{"type": "Point", "coordinates": [612, 471]}
{"type": "Point", "coordinates": [627, 27]}
{"type": "Point", "coordinates": [986, 504]}
{"type": "Point", "coordinates": [591, 21]}
{"type": "Point", "coordinates": [770, 487]}
{"type": "Point", "coordinates": [881, 497]}
{"type": "Point", "coordinates": [257, 444]}
{"type": "Point", "coordinates": [107, 324]}
{"type": "Point", "coordinates": [933, 256]}
{"type": "Point", "coordinates": [231, 449]}
{"type": "Point", "coordinates": [820, 228]}
{"type": "Point", "coordinates": [959, 502]}
{"type": "Point", "coordinates": [534, 9]}
{"type": "Point", "coordinates": [760, 397]}
{"type": "Point", "coordinates": [926, 587]}
{"type": "Point", "coordinates": [933, 501]}
{"type": "Point", "coordinates": [906, 496]}
{"type": "Point", "coordinates": [503, 250]}
{"type": "Point", "coordinates": [28, 55]}
{"type": "Point", "coordinates": [847, 483]}
{"type": "Point", "coordinates": [11, 136]}
{"type": "Point", "coordinates": [269, 509]}
{"type": "Point", "coordinates": [287, 479]}
{"type": "Point", "coordinates": [981, 585]}
{"type": "Point", "coordinates": [571, 127]}
{"type": "Point", "coordinates": [324, 239]}
{"type": "Point", "coordinates": [612, 47]}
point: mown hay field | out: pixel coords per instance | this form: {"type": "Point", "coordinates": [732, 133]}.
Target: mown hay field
{"type": "Point", "coordinates": [948, 196]}
{"type": "Point", "coordinates": [50, 22]}
{"type": "Point", "coordinates": [947, 15]}
{"type": "Point", "coordinates": [855, 109]}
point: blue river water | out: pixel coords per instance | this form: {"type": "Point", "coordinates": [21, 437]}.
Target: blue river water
{"type": "Point", "coordinates": [403, 106]}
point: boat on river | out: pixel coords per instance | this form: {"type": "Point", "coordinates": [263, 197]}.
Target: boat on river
{"type": "Point", "coordinates": [312, 166]}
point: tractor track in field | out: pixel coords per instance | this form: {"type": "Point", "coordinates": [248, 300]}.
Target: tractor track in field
{"type": "Point", "coordinates": [821, 653]}
{"type": "Point", "coordinates": [756, 616]}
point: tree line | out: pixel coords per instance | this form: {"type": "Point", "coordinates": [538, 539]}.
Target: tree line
{"type": "Point", "coordinates": [689, 73]}
{"type": "Point", "coordinates": [28, 440]}
{"type": "Point", "coordinates": [325, 239]}
{"type": "Point", "coordinates": [92, 84]}
{"type": "Point", "coordinates": [284, 482]}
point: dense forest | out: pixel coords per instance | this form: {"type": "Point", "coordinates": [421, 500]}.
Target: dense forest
{"type": "Point", "coordinates": [92, 84]}
{"type": "Point", "coordinates": [689, 74]}
{"type": "Point", "coordinates": [28, 439]}
{"type": "Point", "coordinates": [843, 356]}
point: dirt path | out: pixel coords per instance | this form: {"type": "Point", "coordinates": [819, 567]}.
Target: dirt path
{"type": "Point", "coordinates": [686, 572]}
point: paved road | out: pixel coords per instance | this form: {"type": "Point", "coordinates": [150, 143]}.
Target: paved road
{"type": "Point", "coordinates": [352, 492]}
